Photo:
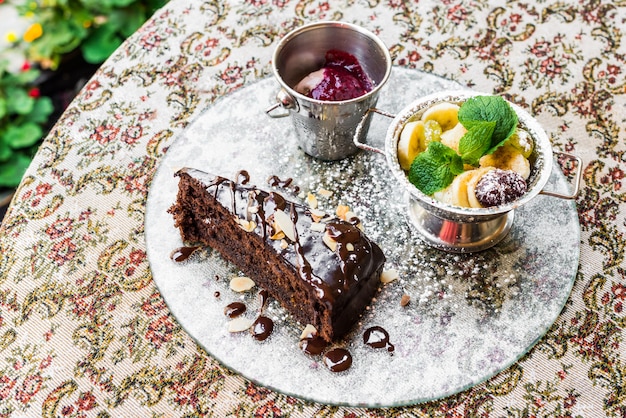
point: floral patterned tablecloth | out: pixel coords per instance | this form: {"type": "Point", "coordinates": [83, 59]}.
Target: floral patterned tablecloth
{"type": "Point", "coordinates": [84, 331]}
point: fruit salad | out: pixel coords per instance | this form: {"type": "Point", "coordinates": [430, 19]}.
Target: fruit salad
{"type": "Point", "coordinates": [470, 155]}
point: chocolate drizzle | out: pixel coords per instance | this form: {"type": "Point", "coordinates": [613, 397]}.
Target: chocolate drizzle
{"type": "Point", "coordinates": [347, 236]}
{"type": "Point", "coordinates": [275, 181]}
{"type": "Point", "coordinates": [263, 297]}
{"type": "Point", "coordinates": [243, 177]}
{"type": "Point", "coordinates": [304, 267]}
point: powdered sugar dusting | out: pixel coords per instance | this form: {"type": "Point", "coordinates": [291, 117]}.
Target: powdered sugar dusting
{"type": "Point", "coordinates": [469, 317]}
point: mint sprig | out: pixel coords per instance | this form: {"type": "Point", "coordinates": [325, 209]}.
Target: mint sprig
{"type": "Point", "coordinates": [435, 168]}
{"type": "Point", "coordinates": [477, 110]}
{"type": "Point", "coordinates": [475, 143]}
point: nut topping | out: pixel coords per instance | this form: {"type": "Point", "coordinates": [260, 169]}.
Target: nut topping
{"type": "Point", "coordinates": [239, 324]}
{"type": "Point", "coordinates": [329, 241]}
{"type": "Point", "coordinates": [308, 332]}
{"type": "Point", "coordinates": [318, 227]}
{"type": "Point", "coordinates": [325, 193]}
{"type": "Point", "coordinates": [247, 226]}
{"type": "Point", "coordinates": [241, 284]}
{"type": "Point", "coordinates": [311, 200]}
{"type": "Point", "coordinates": [389, 276]}
{"type": "Point", "coordinates": [285, 224]}
{"type": "Point", "coordinates": [341, 211]}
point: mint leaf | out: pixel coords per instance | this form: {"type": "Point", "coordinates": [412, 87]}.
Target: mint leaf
{"type": "Point", "coordinates": [476, 141]}
{"type": "Point", "coordinates": [489, 109]}
{"type": "Point", "coordinates": [435, 168]}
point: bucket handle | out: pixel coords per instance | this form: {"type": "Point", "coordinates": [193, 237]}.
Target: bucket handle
{"type": "Point", "coordinates": [285, 101]}
{"type": "Point", "coordinates": [577, 178]}
{"type": "Point", "coordinates": [360, 126]}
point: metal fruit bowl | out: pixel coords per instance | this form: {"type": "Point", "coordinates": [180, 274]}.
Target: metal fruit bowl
{"type": "Point", "coordinates": [459, 229]}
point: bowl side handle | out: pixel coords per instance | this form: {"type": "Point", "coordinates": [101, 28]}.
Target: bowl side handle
{"type": "Point", "coordinates": [360, 127]}
{"type": "Point", "coordinates": [577, 178]}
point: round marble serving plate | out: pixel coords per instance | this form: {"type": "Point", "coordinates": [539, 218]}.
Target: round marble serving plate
{"type": "Point", "coordinates": [470, 315]}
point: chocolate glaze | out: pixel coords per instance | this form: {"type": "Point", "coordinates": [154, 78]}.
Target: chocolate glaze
{"type": "Point", "coordinates": [338, 359]}
{"type": "Point", "coordinates": [317, 265]}
{"type": "Point", "coordinates": [340, 280]}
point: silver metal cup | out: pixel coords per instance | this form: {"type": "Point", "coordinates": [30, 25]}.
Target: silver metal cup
{"type": "Point", "coordinates": [326, 129]}
{"type": "Point", "coordinates": [454, 228]}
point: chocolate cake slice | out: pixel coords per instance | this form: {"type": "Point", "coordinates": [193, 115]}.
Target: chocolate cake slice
{"type": "Point", "coordinates": [324, 272]}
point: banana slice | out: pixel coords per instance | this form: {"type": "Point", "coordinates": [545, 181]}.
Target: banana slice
{"type": "Point", "coordinates": [458, 189]}
{"type": "Point", "coordinates": [451, 137]}
{"type": "Point", "coordinates": [471, 186]}
{"type": "Point", "coordinates": [444, 195]}
{"type": "Point", "coordinates": [445, 113]}
{"type": "Point", "coordinates": [461, 191]}
{"type": "Point", "coordinates": [410, 143]}
{"type": "Point", "coordinates": [507, 157]}
{"type": "Point", "coordinates": [522, 141]}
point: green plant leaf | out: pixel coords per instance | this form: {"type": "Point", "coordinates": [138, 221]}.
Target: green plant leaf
{"type": "Point", "coordinates": [100, 44]}
{"type": "Point", "coordinates": [3, 107]}
{"type": "Point", "coordinates": [22, 136]}
{"type": "Point", "coordinates": [476, 141]}
{"type": "Point", "coordinates": [18, 101]}
{"type": "Point", "coordinates": [5, 150]}
{"type": "Point", "coordinates": [24, 77]}
{"type": "Point", "coordinates": [41, 110]}
{"type": "Point", "coordinates": [435, 168]}
{"type": "Point", "coordinates": [127, 21]}
{"type": "Point", "coordinates": [12, 171]}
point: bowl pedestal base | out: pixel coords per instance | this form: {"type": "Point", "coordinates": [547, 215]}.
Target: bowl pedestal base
{"type": "Point", "coordinates": [455, 236]}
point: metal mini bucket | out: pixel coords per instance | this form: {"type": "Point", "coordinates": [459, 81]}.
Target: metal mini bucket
{"type": "Point", "coordinates": [325, 129]}
{"type": "Point", "coordinates": [458, 229]}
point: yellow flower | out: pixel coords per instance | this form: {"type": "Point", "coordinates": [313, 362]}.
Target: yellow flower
{"type": "Point", "coordinates": [33, 32]}
{"type": "Point", "coordinates": [11, 37]}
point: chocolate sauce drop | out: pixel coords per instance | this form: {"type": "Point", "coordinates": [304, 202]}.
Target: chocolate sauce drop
{"type": "Point", "coordinates": [234, 309]}
{"type": "Point", "coordinates": [377, 337]}
{"type": "Point", "coordinates": [182, 253]}
{"type": "Point", "coordinates": [217, 294]}
{"type": "Point", "coordinates": [263, 296]}
{"type": "Point", "coordinates": [313, 345]}
{"type": "Point", "coordinates": [262, 328]}
{"type": "Point", "coordinates": [338, 359]}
